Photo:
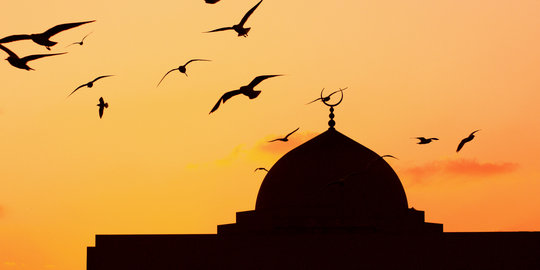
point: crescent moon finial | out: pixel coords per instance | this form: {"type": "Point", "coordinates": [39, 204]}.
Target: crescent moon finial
{"type": "Point", "coordinates": [331, 123]}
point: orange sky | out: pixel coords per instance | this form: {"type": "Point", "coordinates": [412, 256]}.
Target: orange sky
{"type": "Point", "coordinates": [158, 163]}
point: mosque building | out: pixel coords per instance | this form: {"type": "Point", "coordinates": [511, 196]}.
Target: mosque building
{"type": "Point", "coordinates": [330, 203]}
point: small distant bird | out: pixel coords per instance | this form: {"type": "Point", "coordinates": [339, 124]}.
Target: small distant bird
{"type": "Point", "coordinates": [79, 42]}
{"type": "Point", "coordinates": [425, 140]}
{"type": "Point", "coordinates": [211, 1]}
{"type": "Point", "coordinates": [327, 98]}
{"type": "Point", "coordinates": [182, 69]}
{"type": "Point", "coordinates": [239, 28]}
{"type": "Point", "coordinates": [89, 84]}
{"type": "Point", "coordinates": [102, 105]}
{"type": "Point", "coordinates": [286, 138]}
{"type": "Point", "coordinates": [261, 169]}
{"type": "Point", "coordinates": [245, 90]}
{"type": "Point", "coordinates": [390, 156]}
{"type": "Point", "coordinates": [44, 38]}
{"type": "Point", "coordinates": [466, 140]}
{"type": "Point", "coordinates": [21, 63]}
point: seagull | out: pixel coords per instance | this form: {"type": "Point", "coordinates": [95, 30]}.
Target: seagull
{"type": "Point", "coordinates": [211, 1]}
{"type": "Point", "coordinates": [327, 98]}
{"type": "Point", "coordinates": [21, 63]}
{"type": "Point", "coordinates": [89, 84]}
{"type": "Point", "coordinates": [80, 42]}
{"type": "Point", "coordinates": [239, 28]}
{"type": "Point", "coordinates": [246, 90]}
{"type": "Point", "coordinates": [261, 169]}
{"type": "Point", "coordinates": [102, 105]}
{"type": "Point", "coordinates": [286, 139]}
{"type": "Point", "coordinates": [466, 140]}
{"type": "Point", "coordinates": [425, 140]}
{"type": "Point", "coordinates": [44, 38]}
{"type": "Point", "coordinates": [182, 69]}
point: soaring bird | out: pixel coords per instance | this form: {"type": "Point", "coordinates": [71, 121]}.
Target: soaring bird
{"type": "Point", "coordinates": [327, 98]}
{"type": "Point", "coordinates": [21, 63]}
{"type": "Point", "coordinates": [245, 90]}
{"type": "Point", "coordinates": [286, 138]}
{"type": "Point", "coordinates": [466, 140]}
{"type": "Point", "coordinates": [102, 105]}
{"type": "Point", "coordinates": [425, 140]}
{"type": "Point", "coordinates": [79, 42]}
{"type": "Point", "coordinates": [44, 38]}
{"type": "Point", "coordinates": [89, 84]}
{"type": "Point", "coordinates": [239, 28]}
{"type": "Point", "coordinates": [261, 169]}
{"type": "Point", "coordinates": [182, 69]}
{"type": "Point", "coordinates": [211, 1]}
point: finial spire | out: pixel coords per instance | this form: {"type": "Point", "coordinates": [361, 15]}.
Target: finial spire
{"type": "Point", "coordinates": [332, 123]}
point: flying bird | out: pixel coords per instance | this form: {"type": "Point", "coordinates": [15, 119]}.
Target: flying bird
{"type": "Point", "coordinates": [327, 98]}
{"type": "Point", "coordinates": [44, 38]}
{"type": "Point", "coordinates": [102, 105]}
{"type": "Point", "coordinates": [79, 42]}
{"type": "Point", "coordinates": [466, 140]}
{"type": "Point", "coordinates": [425, 140]}
{"type": "Point", "coordinates": [286, 138]}
{"type": "Point", "coordinates": [211, 1]}
{"type": "Point", "coordinates": [21, 63]}
{"type": "Point", "coordinates": [89, 84]}
{"type": "Point", "coordinates": [239, 28]}
{"type": "Point", "coordinates": [245, 90]}
{"type": "Point", "coordinates": [182, 69]}
{"type": "Point", "coordinates": [261, 169]}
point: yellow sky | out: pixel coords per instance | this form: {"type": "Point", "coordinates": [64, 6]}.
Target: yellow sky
{"type": "Point", "coordinates": [158, 163]}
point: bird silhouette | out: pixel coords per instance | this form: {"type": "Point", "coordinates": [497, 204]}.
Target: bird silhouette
{"type": "Point", "coordinates": [21, 63]}
{"type": "Point", "coordinates": [102, 105]}
{"type": "Point", "coordinates": [327, 98]}
{"type": "Point", "coordinates": [245, 90]}
{"type": "Point", "coordinates": [239, 28]}
{"type": "Point", "coordinates": [286, 138]}
{"type": "Point", "coordinates": [44, 38]}
{"type": "Point", "coordinates": [79, 42]}
{"type": "Point", "coordinates": [425, 140]}
{"type": "Point", "coordinates": [261, 169]}
{"type": "Point", "coordinates": [182, 69]}
{"type": "Point", "coordinates": [466, 140]}
{"type": "Point", "coordinates": [89, 84]}
{"type": "Point", "coordinates": [211, 1]}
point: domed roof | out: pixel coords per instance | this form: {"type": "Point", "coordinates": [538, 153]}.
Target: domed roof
{"type": "Point", "coordinates": [333, 171]}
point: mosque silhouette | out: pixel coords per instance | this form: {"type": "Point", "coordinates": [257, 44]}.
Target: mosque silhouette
{"type": "Point", "coordinates": [330, 203]}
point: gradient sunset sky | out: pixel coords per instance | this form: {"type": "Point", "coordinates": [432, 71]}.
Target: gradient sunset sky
{"type": "Point", "coordinates": [159, 163]}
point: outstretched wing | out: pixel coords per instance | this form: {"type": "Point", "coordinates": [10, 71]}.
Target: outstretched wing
{"type": "Point", "coordinates": [246, 17]}
{"type": "Point", "coordinates": [461, 144]}
{"type": "Point", "coordinates": [100, 77]}
{"type": "Point", "coordinates": [14, 38]}
{"type": "Point", "coordinates": [81, 86]}
{"type": "Point", "coordinates": [37, 56]}
{"type": "Point", "coordinates": [291, 133]}
{"type": "Point", "coordinates": [313, 101]}
{"type": "Point", "coordinates": [62, 27]}
{"type": "Point", "coordinates": [195, 60]}
{"type": "Point", "coordinates": [275, 140]}
{"type": "Point", "coordinates": [225, 97]}
{"type": "Point", "coordinates": [165, 76]}
{"type": "Point", "coordinates": [220, 29]}
{"type": "Point", "coordinates": [8, 51]}
{"type": "Point", "coordinates": [259, 79]}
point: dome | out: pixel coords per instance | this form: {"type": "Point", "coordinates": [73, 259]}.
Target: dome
{"type": "Point", "coordinates": [332, 171]}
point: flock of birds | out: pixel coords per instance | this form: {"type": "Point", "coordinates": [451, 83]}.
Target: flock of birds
{"type": "Point", "coordinates": [44, 39]}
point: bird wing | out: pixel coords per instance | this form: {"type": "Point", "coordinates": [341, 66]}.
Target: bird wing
{"type": "Point", "coordinates": [101, 109]}
{"type": "Point", "coordinates": [14, 38]}
{"type": "Point", "coordinates": [195, 60]}
{"type": "Point", "coordinates": [291, 133]}
{"type": "Point", "coordinates": [245, 18]}
{"type": "Point", "coordinates": [100, 77]}
{"type": "Point", "coordinates": [420, 138]}
{"type": "Point", "coordinates": [81, 86]}
{"type": "Point", "coordinates": [313, 101]}
{"type": "Point", "coordinates": [461, 144]}
{"type": "Point", "coordinates": [220, 29]}
{"type": "Point", "coordinates": [8, 51]}
{"type": "Point", "coordinates": [37, 56]}
{"type": "Point", "coordinates": [389, 156]}
{"type": "Point", "coordinates": [259, 79]}
{"type": "Point", "coordinates": [474, 132]}
{"type": "Point", "coordinates": [337, 91]}
{"type": "Point", "coordinates": [225, 97]}
{"type": "Point", "coordinates": [86, 36]}
{"type": "Point", "coordinates": [275, 140]}
{"type": "Point", "coordinates": [62, 27]}
{"type": "Point", "coordinates": [165, 76]}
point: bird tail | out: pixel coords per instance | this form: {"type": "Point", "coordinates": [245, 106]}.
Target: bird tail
{"type": "Point", "coordinates": [253, 94]}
